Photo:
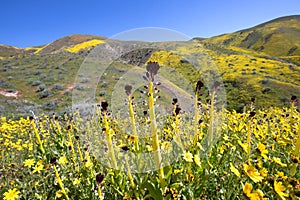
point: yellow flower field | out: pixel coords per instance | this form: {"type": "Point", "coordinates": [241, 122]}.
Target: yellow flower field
{"type": "Point", "coordinates": [255, 155]}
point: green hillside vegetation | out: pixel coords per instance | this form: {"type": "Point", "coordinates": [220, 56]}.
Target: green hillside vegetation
{"type": "Point", "coordinates": [262, 62]}
{"type": "Point", "coordinates": [279, 37]}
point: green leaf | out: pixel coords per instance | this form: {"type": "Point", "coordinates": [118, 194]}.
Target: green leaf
{"type": "Point", "coordinates": [155, 192]}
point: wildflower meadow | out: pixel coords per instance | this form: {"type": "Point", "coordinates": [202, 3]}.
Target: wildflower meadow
{"type": "Point", "coordinates": [252, 154]}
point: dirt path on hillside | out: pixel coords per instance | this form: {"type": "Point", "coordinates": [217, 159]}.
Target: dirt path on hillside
{"type": "Point", "coordinates": [10, 93]}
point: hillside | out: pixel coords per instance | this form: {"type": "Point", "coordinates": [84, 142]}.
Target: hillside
{"type": "Point", "coordinates": [6, 51]}
{"type": "Point", "coordinates": [261, 62]}
{"type": "Point", "coordinates": [279, 37]}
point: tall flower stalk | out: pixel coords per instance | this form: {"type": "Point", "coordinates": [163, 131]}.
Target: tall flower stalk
{"type": "Point", "coordinates": [176, 112]}
{"type": "Point", "coordinates": [60, 183]}
{"type": "Point", "coordinates": [293, 102]}
{"type": "Point", "coordinates": [128, 89]}
{"type": "Point", "coordinates": [211, 112]}
{"type": "Point", "coordinates": [294, 166]}
{"type": "Point", "coordinates": [37, 135]}
{"type": "Point", "coordinates": [199, 85]}
{"type": "Point", "coordinates": [252, 114]}
{"type": "Point", "coordinates": [108, 136]}
{"type": "Point", "coordinates": [152, 69]}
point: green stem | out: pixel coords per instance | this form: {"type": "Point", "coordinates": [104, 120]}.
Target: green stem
{"type": "Point", "coordinates": [60, 183]}
{"type": "Point", "coordinates": [100, 192]}
{"type": "Point", "coordinates": [249, 140]}
{"type": "Point", "coordinates": [131, 178]}
{"type": "Point", "coordinates": [211, 118]}
{"type": "Point", "coordinates": [155, 140]}
{"type": "Point", "coordinates": [297, 149]}
{"type": "Point", "coordinates": [108, 135]}
{"type": "Point", "coordinates": [131, 112]}
{"type": "Point", "coordinates": [196, 114]}
{"type": "Point", "coordinates": [36, 132]}
{"type": "Point", "coordinates": [72, 146]}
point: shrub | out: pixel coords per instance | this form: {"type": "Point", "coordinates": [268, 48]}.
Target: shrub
{"type": "Point", "coordinates": [264, 81]}
{"type": "Point", "coordinates": [67, 92]}
{"type": "Point", "coordinates": [45, 93]}
{"type": "Point", "coordinates": [57, 87]}
{"type": "Point", "coordinates": [266, 90]}
{"type": "Point", "coordinates": [41, 88]}
{"type": "Point", "coordinates": [36, 83]}
{"type": "Point", "coordinates": [102, 93]}
{"type": "Point", "coordinates": [51, 105]}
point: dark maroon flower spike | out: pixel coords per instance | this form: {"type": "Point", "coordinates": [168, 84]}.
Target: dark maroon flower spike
{"type": "Point", "coordinates": [125, 148]}
{"type": "Point", "coordinates": [104, 105]}
{"type": "Point", "coordinates": [177, 110]}
{"type": "Point", "coordinates": [152, 69]}
{"type": "Point", "coordinates": [99, 178]}
{"type": "Point", "coordinates": [199, 85]}
{"type": "Point", "coordinates": [216, 86]}
{"type": "Point", "coordinates": [175, 101]}
{"type": "Point", "coordinates": [128, 89]}
{"type": "Point", "coordinates": [252, 114]}
{"type": "Point", "coordinates": [294, 99]}
{"type": "Point", "coordinates": [53, 161]}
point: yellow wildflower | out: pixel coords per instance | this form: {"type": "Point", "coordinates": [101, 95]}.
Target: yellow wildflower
{"type": "Point", "coordinates": [279, 189]}
{"type": "Point", "coordinates": [37, 168]}
{"type": "Point", "coordinates": [131, 138]}
{"type": "Point", "coordinates": [222, 149]}
{"type": "Point", "coordinates": [29, 162]}
{"type": "Point", "coordinates": [76, 181]}
{"type": "Point", "coordinates": [263, 172]}
{"type": "Point", "coordinates": [149, 148]}
{"type": "Point", "coordinates": [226, 138]}
{"type": "Point", "coordinates": [188, 157]}
{"type": "Point", "coordinates": [281, 175]}
{"type": "Point", "coordinates": [234, 170]}
{"type": "Point", "coordinates": [199, 146]}
{"type": "Point", "coordinates": [253, 173]}
{"type": "Point", "coordinates": [256, 195]}
{"type": "Point", "coordinates": [244, 146]}
{"type": "Point", "coordinates": [278, 161]}
{"type": "Point", "coordinates": [59, 193]}
{"type": "Point", "coordinates": [30, 147]}
{"type": "Point", "coordinates": [178, 171]}
{"type": "Point", "coordinates": [259, 163]}
{"type": "Point", "coordinates": [167, 146]}
{"type": "Point", "coordinates": [68, 143]}
{"type": "Point", "coordinates": [11, 194]}
{"type": "Point", "coordinates": [197, 160]}
{"type": "Point", "coordinates": [63, 160]}
{"type": "Point", "coordinates": [263, 151]}
{"type": "Point", "coordinates": [88, 164]}
{"type": "Point", "coordinates": [247, 188]}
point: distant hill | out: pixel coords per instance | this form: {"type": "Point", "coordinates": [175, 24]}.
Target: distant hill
{"type": "Point", "coordinates": [66, 42]}
{"type": "Point", "coordinates": [9, 50]}
{"type": "Point", "coordinates": [279, 37]}
{"type": "Point", "coordinates": [261, 62]}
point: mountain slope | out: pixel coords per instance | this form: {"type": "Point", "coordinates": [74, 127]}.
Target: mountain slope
{"type": "Point", "coordinates": [279, 37]}
{"type": "Point", "coordinates": [66, 42]}
{"type": "Point", "coordinates": [9, 50]}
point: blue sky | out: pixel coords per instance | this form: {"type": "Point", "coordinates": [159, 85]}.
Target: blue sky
{"type": "Point", "coordinates": [32, 22]}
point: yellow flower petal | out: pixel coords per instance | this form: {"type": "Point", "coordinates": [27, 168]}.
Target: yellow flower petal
{"type": "Point", "coordinates": [234, 170]}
